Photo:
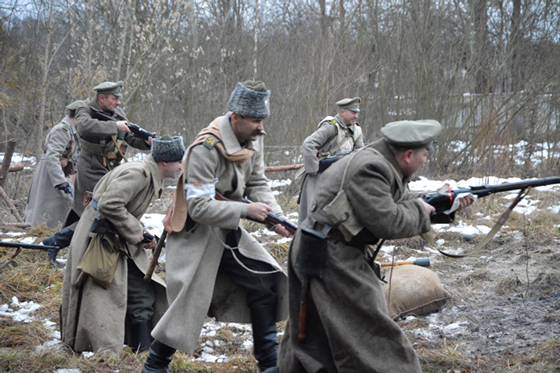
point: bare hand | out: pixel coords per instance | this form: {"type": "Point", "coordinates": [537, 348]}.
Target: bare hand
{"type": "Point", "coordinates": [258, 210]}
{"type": "Point", "coordinates": [281, 230]}
{"type": "Point", "coordinates": [122, 127]}
{"type": "Point", "coordinates": [427, 207]}
{"type": "Point", "coordinates": [151, 245]}
{"type": "Point", "coordinates": [465, 202]}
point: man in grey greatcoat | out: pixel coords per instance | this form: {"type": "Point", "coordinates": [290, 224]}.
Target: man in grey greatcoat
{"type": "Point", "coordinates": [94, 313]}
{"type": "Point", "coordinates": [104, 136]}
{"type": "Point", "coordinates": [335, 137]}
{"type": "Point", "coordinates": [50, 195]}
{"type": "Point", "coordinates": [214, 266]}
{"type": "Point", "coordinates": [363, 199]}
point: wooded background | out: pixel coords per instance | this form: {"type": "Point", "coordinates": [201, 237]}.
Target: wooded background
{"type": "Point", "coordinates": [487, 70]}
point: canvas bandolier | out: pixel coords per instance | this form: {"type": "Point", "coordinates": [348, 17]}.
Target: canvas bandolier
{"type": "Point", "coordinates": [345, 138]}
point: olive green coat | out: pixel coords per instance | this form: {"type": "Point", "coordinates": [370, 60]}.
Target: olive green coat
{"type": "Point", "coordinates": [195, 288]}
{"type": "Point", "coordinates": [93, 318]}
{"type": "Point", "coordinates": [332, 137]}
{"type": "Point", "coordinates": [91, 167]}
{"type": "Point", "coordinates": [45, 203]}
{"type": "Point", "coordinates": [348, 326]}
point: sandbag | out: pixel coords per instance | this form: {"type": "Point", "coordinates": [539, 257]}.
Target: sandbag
{"type": "Point", "coordinates": [413, 290]}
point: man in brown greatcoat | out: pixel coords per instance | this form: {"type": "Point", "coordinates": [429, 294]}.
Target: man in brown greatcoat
{"type": "Point", "coordinates": [103, 143]}
{"type": "Point", "coordinates": [50, 195]}
{"type": "Point", "coordinates": [363, 199]}
{"type": "Point", "coordinates": [214, 266]}
{"type": "Point", "coordinates": [94, 313]}
{"type": "Point", "coordinates": [336, 136]}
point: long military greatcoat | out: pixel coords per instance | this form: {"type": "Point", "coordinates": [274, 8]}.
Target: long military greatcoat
{"type": "Point", "coordinates": [348, 326]}
{"type": "Point", "coordinates": [194, 286]}
{"type": "Point", "coordinates": [91, 167]}
{"type": "Point", "coordinates": [45, 203]}
{"type": "Point", "coordinates": [93, 318]}
{"type": "Point", "coordinates": [333, 137]}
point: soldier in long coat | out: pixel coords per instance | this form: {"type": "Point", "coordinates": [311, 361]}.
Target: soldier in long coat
{"type": "Point", "coordinates": [204, 276]}
{"type": "Point", "coordinates": [92, 316]}
{"type": "Point", "coordinates": [335, 136]}
{"type": "Point", "coordinates": [50, 195]}
{"type": "Point", "coordinates": [103, 145]}
{"type": "Point", "coordinates": [363, 199]}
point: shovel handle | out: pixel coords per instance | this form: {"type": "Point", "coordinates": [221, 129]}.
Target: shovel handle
{"type": "Point", "coordinates": [303, 310]}
{"type": "Point", "coordinates": [155, 257]}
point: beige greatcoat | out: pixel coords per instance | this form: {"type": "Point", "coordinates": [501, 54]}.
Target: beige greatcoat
{"type": "Point", "coordinates": [45, 203]}
{"type": "Point", "coordinates": [332, 138]}
{"type": "Point", "coordinates": [194, 286]}
{"type": "Point", "coordinates": [348, 326]}
{"type": "Point", "coordinates": [93, 318]}
{"type": "Point", "coordinates": [91, 167]}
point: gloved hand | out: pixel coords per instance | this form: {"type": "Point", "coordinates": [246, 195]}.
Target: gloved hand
{"type": "Point", "coordinates": [66, 188]}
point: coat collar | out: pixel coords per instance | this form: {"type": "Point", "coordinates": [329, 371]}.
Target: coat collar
{"type": "Point", "coordinates": [341, 124]}
{"type": "Point", "coordinates": [152, 167]}
{"type": "Point", "coordinates": [388, 153]}
{"type": "Point", "coordinates": [231, 144]}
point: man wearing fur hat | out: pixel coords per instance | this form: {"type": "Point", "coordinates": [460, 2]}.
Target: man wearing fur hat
{"type": "Point", "coordinates": [100, 297]}
{"type": "Point", "coordinates": [214, 266]}
{"type": "Point", "coordinates": [363, 199]}
{"type": "Point", "coordinates": [50, 195]}
{"type": "Point", "coordinates": [103, 145]}
{"type": "Point", "coordinates": [336, 136]}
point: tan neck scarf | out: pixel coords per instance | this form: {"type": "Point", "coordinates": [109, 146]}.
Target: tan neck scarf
{"type": "Point", "coordinates": [179, 214]}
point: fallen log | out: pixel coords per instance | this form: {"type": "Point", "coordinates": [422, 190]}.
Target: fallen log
{"type": "Point", "coordinates": [282, 168]}
{"type": "Point", "coordinates": [16, 225]}
{"type": "Point", "coordinates": [15, 167]}
{"type": "Point", "coordinates": [10, 205]}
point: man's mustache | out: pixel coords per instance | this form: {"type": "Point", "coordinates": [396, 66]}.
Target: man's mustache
{"type": "Point", "coordinates": [259, 133]}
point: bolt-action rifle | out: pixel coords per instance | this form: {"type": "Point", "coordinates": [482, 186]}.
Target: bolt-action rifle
{"type": "Point", "coordinates": [443, 201]}
{"type": "Point", "coordinates": [20, 245]}
{"type": "Point", "coordinates": [137, 131]}
{"type": "Point", "coordinates": [271, 219]}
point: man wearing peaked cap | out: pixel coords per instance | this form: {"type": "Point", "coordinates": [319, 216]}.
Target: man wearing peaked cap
{"type": "Point", "coordinates": [103, 138]}
{"type": "Point", "coordinates": [50, 195]}
{"type": "Point", "coordinates": [227, 272]}
{"type": "Point", "coordinates": [363, 200]}
{"type": "Point", "coordinates": [100, 313]}
{"type": "Point", "coordinates": [335, 137]}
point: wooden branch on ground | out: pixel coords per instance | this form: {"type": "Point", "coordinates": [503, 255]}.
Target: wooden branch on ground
{"type": "Point", "coordinates": [10, 205]}
{"type": "Point", "coordinates": [15, 167]}
{"type": "Point", "coordinates": [15, 225]}
{"type": "Point", "coordinates": [287, 167]}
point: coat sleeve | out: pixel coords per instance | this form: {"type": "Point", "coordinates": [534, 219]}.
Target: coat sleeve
{"type": "Point", "coordinates": [57, 142]}
{"type": "Point", "coordinates": [202, 175]}
{"type": "Point", "coordinates": [370, 194]}
{"type": "Point", "coordinates": [113, 203]}
{"type": "Point", "coordinates": [313, 143]}
{"type": "Point", "coordinates": [88, 126]}
{"type": "Point", "coordinates": [257, 189]}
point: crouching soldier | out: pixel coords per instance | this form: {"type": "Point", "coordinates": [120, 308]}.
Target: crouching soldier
{"type": "Point", "coordinates": [104, 280]}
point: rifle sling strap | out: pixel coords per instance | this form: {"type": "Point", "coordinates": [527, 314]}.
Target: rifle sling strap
{"type": "Point", "coordinates": [495, 229]}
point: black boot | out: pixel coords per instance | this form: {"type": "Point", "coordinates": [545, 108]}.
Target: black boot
{"type": "Point", "coordinates": [140, 338]}
{"type": "Point", "coordinates": [265, 342]}
{"type": "Point", "coordinates": [61, 239]}
{"type": "Point", "coordinates": [159, 358]}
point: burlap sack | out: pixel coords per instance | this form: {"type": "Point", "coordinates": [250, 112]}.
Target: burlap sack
{"type": "Point", "coordinates": [413, 290]}
{"type": "Point", "coordinates": [101, 258]}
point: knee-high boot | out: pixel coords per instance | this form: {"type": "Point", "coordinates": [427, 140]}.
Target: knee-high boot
{"type": "Point", "coordinates": [264, 336]}
{"type": "Point", "coordinates": [159, 358]}
{"type": "Point", "coordinates": [62, 239]}
{"type": "Point", "coordinates": [139, 336]}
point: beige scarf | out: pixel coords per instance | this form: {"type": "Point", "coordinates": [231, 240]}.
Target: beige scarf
{"type": "Point", "coordinates": [179, 206]}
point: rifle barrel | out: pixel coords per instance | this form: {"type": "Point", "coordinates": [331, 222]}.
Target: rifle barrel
{"type": "Point", "coordinates": [27, 245]}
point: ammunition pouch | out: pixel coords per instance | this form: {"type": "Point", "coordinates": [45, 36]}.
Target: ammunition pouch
{"type": "Point", "coordinates": [341, 215]}
{"type": "Point", "coordinates": [312, 253]}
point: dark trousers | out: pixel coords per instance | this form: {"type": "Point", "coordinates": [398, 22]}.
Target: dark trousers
{"type": "Point", "coordinates": [261, 288]}
{"type": "Point", "coordinates": [141, 296]}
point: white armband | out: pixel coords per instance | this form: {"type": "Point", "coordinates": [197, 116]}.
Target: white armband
{"type": "Point", "coordinates": [201, 190]}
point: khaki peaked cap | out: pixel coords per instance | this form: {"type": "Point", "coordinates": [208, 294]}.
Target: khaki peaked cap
{"type": "Point", "coordinates": [113, 88]}
{"type": "Point", "coordinates": [412, 133]}
{"type": "Point", "coordinates": [352, 104]}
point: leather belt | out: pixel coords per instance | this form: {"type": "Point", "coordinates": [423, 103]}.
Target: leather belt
{"type": "Point", "coordinates": [334, 234]}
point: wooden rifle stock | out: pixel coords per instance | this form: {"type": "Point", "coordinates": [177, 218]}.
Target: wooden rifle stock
{"type": "Point", "coordinates": [155, 257]}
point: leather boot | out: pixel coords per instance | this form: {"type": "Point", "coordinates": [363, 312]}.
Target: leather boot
{"type": "Point", "coordinates": [61, 239]}
{"type": "Point", "coordinates": [159, 358]}
{"type": "Point", "coordinates": [265, 342]}
{"type": "Point", "coordinates": [140, 338]}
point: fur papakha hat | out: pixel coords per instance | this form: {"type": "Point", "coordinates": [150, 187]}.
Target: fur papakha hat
{"type": "Point", "coordinates": [168, 149]}
{"type": "Point", "coordinates": [250, 99]}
